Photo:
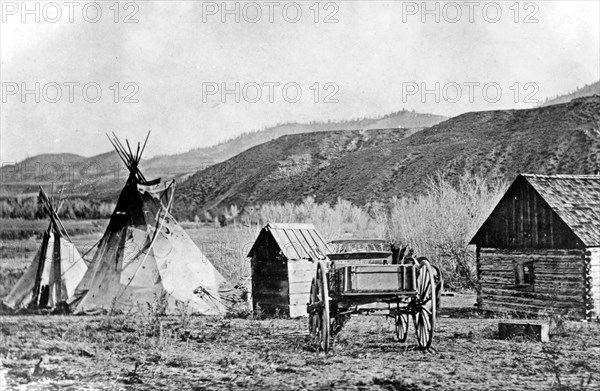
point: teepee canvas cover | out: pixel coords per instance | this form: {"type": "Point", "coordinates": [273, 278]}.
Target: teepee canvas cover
{"type": "Point", "coordinates": [55, 271]}
{"type": "Point", "coordinates": [145, 253]}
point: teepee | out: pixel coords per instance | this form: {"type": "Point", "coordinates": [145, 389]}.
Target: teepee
{"type": "Point", "coordinates": [145, 254]}
{"type": "Point", "coordinates": [55, 271]}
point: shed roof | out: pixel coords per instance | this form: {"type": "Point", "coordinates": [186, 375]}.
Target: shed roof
{"type": "Point", "coordinates": [576, 200]}
{"type": "Point", "coordinates": [296, 241]}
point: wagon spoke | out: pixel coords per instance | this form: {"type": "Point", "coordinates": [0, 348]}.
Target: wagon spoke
{"type": "Point", "coordinates": [426, 287]}
{"type": "Point", "coordinates": [426, 320]}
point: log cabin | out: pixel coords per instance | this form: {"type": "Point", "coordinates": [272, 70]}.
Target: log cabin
{"type": "Point", "coordinates": [538, 253]}
{"type": "Point", "coordinates": [283, 265]}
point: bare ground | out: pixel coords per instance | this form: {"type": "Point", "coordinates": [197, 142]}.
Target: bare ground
{"type": "Point", "coordinates": [140, 352]}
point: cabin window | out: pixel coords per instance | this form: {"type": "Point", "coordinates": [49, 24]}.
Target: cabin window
{"type": "Point", "coordinates": [524, 276]}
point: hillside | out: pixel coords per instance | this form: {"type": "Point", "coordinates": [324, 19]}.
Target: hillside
{"type": "Point", "coordinates": [99, 176]}
{"type": "Point", "coordinates": [364, 166]}
{"type": "Point", "coordinates": [587, 90]}
{"type": "Point", "coordinates": [200, 158]}
{"type": "Point", "coordinates": [102, 175]}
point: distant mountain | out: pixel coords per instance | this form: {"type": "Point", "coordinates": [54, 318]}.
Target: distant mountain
{"type": "Point", "coordinates": [99, 176]}
{"type": "Point", "coordinates": [587, 90]}
{"type": "Point", "coordinates": [102, 175]}
{"type": "Point", "coordinates": [363, 166]}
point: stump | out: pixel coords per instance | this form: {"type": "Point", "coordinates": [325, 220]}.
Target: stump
{"type": "Point", "coordinates": [536, 331]}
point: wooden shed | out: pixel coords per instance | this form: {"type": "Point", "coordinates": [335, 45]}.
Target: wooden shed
{"type": "Point", "coordinates": [283, 265]}
{"type": "Point", "coordinates": [539, 250]}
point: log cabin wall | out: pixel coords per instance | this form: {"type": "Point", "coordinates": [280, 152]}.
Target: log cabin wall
{"type": "Point", "coordinates": [594, 273]}
{"type": "Point", "coordinates": [530, 261]}
{"type": "Point", "coordinates": [554, 281]}
{"type": "Point", "coordinates": [270, 287]}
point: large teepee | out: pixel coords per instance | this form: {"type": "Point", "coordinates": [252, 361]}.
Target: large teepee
{"type": "Point", "coordinates": [145, 253]}
{"type": "Point", "coordinates": [55, 271]}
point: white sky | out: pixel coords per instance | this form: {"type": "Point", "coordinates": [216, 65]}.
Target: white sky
{"type": "Point", "coordinates": [374, 51]}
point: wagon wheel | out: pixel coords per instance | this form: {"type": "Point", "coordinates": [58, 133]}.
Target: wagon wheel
{"type": "Point", "coordinates": [313, 319]}
{"type": "Point", "coordinates": [318, 320]}
{"type": "Point", "coordinates": [401, 327]}
{"type": "Point", "coordinates": [424, 305]}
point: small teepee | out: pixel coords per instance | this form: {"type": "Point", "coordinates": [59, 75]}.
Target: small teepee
{"type": "Point", "coordinates": [145, 254]}
{"type": "Point", "coordinates": [55, 271]}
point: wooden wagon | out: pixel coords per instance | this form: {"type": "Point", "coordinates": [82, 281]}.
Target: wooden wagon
{"type": "Point", "coordinates": [367, 282]}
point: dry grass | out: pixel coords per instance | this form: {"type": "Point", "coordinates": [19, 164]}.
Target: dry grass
{"type": "Point", "coordinates": [151, 351]}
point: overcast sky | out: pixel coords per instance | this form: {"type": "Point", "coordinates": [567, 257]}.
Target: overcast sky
{"type": "Point", "coordinates": [373, 58]}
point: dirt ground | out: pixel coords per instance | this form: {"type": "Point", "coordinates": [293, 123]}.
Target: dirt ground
{"type": "Point", "coordinates": [142, 352]}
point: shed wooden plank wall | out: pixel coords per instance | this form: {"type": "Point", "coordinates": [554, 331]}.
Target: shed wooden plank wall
{"type": "Point", "coordinates": [300, 272]}
{"type": "Point", "coordinates": [557, 287]}
{"type": "Point", "coordinates": [595, 274]}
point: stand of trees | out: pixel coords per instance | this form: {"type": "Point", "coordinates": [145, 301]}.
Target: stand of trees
{"type": "Point", "coordinates": [73, 208]}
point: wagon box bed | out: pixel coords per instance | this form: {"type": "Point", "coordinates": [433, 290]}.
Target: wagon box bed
{"type": "Point", "coordinates": [382, 280]}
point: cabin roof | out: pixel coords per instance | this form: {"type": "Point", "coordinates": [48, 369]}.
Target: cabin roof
{"type": "Point", "coordinates": [576, 200]}
{"type": "Point", "coordinates": [296, 241]}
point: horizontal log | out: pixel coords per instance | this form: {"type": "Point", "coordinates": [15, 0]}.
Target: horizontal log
{"type": "Point", "coordinates": [542, 255]}
{"type": "Point", "coordinates": [538, 283]}
{"type": "Point", "coordinates": [545, 263]}
{"type": "Point", "coordinates": [561, 295]}
{"type": "Point", "coordinates": [497, 306]}
{"type": "Point", "coordinates": [563, 289]}
{"type": "Point", "coordinates": [536, 271]}
{"type": "Point", "coordinates": [571, 314]}
{"type": "Point", "coordinates": [533, 297]}
{"type": "Point", "coordinates": [531, 302]}
{"type": "Point", "coordinates": [531, 251]}
{"type": "Point", "coordinates": [543, 279]}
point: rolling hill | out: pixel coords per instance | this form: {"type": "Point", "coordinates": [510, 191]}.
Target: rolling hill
{"type": "Point", "coordinates": [363, 166]}
{"type": "Point", "coordinates": [200, 158]}
{"type": "Point", "coordinates": [102, 175]}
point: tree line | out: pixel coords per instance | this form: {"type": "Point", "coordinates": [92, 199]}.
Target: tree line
{"type": "Point", "coordinates": [72, 208]}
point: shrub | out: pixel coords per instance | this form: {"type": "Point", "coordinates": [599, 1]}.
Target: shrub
{"type": "Point", "coordinates": [439, 223]}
